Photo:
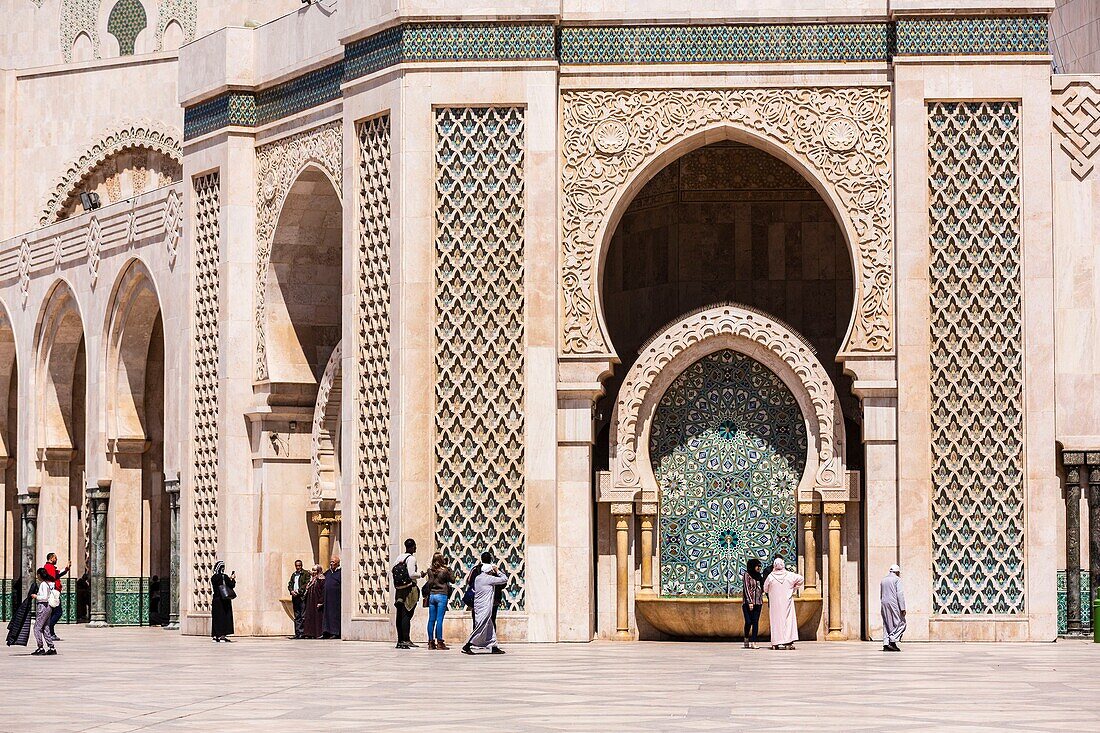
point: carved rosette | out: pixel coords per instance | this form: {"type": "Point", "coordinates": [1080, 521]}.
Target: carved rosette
{"type": "Point", "coordinates": [278, 166]}
{"type": "Point", "coordinates": [840, 135]}
{"type": "Point", "coordinates": [631, 431]}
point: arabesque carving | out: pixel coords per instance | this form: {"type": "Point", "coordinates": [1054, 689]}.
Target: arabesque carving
{"type": "Point", "coordinates": [749, 330]}
{"type": "Point", "coordinates": [325, 436]}
{"type": "Point", "coordinates": [144, 134]}
{"type": "Point", "coordinates": [1077, 120]}
{"type": "Point", "coordinates": [278, 165]}
{"type": "Point", "coordinates": [841, 135]}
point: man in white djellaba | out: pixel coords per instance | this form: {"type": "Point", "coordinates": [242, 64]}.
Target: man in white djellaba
{"type": "Point", "coordinates": [893, 609]}
{"type": "Point", "coordinates": [780, 585]}
{"type": "Point", "coordinates": [485, 579]}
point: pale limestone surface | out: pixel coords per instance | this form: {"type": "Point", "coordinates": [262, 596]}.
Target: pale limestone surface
{"type": "Point", "coordinates": [126, 680]}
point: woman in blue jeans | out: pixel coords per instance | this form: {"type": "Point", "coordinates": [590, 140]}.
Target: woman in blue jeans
{"type": "Point", "coordinates": [440, 580]}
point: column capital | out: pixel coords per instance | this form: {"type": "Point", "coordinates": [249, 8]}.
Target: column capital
{"type": "Point", "coordinates": [834, 508]}
{"type": "Point", "coordinates": [647, 508]}
{"type": "Point", "coordinates": [809, 508]}
{"type": "Point", "coordinates": [622, 509]}
{"type": "Point", "coordinates": [172, 486]}
{"type": "Point", "coordinates": [28, 500]}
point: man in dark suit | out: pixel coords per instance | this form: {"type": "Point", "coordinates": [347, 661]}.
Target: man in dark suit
{"type": "Point", "coordinates": [299, 579]}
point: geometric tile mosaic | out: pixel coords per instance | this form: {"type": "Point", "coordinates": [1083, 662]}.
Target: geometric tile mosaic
{"type": "Point", "coordinates": [728, 446]}
{"type": "Point", "coordinates": [127, 601]}
{"type": "Point", "coordinates": [973, 35]}
{"type": "Point", "coordinates": [479, 340]}
{"type": "Point", "coordinates": [126, 21]}
{"type": "Point", "coordinates": [1086, 606]}
{"type": "Point", "coordinates": [976, 358]}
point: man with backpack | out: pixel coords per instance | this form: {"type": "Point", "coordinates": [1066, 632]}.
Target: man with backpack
{"type": "Point", "coordinates": [406, 593]}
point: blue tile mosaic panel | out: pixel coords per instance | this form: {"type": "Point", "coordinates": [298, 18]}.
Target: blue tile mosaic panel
{"type": "Point", "coordinates": [976, 358]}
{"type": "Point", "coordinates": [977, 35]}
{"type": "Point", "coordinates": [725, 43]}
{"type": "Point", "coordinates": [728, 447]}
{"type": "Point", "coordinates": [228, 110]}
{"type": "Point", "coordinates": [1086, 605]}
{"type": "Point", "coordinates": [127, 601]}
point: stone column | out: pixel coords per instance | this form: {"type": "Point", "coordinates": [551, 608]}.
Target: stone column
{"type": "Point", "coordinates": [325, 519]}
{"type": "Point", "coordinates": [172, 488]}
{"type": "Point", "coordinates": [1094, 530]}
{"type": "Point", "coordinates": [621, 514]}
{"type": "Point", "coordinates": [29, 502]}
{"type": "Point", "coordinates": [1076, 480]}
{"type": "Point", "coordinates": [834, 512]}
{"type": "Point", "coordinates": [99, 498]}
{"type": "Point", "coordinates": [808, 513]}
{"type": "Point", "coordinates": [646, 515]}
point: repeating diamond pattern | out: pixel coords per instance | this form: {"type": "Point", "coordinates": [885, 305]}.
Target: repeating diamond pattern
{"type": "Point", "coordinates": [373, 385]}
{"type": "Point", "coordinates": [479, 359]}
{"type": "Point", "coordinates": [205, 380]}
{"type": "Point", "coordinates": [976, 358]}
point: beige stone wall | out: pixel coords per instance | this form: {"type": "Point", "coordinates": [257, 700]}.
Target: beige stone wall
{"type": "Point", "coordinates": [1075, 37]}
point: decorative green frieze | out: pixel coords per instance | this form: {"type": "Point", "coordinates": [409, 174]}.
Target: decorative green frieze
{"type": "Point", "coordinates": [972, 36]}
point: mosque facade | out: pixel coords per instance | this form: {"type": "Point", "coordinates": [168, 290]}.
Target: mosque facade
{"type": "Point", "coordinates": [625, 294]}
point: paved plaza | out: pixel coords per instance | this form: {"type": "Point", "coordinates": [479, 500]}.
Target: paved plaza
{"type": "Point", "coordinates": [118, 680]}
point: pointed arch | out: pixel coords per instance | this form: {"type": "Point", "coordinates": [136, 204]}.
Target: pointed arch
{"type": "Point", "coordinates": [126, 22]}
{"type": "Point", "coordinates": [9, 364]}
{"type": "Point", "coordinates": [131, 322]}
{"type": "Point", "coordinates": [59, 342]}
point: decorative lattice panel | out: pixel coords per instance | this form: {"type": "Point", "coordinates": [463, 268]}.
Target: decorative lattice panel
{"type": "Point", "coordinates": [77, 17]}
{"type": "Point", "coordinates": [204, 501]}
{"type": "Point", "coordinates": [373, 382]}
{"type": "Point", "coordinates": [728, 447]}
{"type": "Point", "coordinates": [479, 360]}
{"type": "Point", "coordinates": [976, 358]}
{"type": "Point", "coordinates": [126, 22]}
{"type": "Point", "coordinates": [184, 12]}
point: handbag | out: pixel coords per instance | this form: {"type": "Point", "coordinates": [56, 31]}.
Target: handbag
{"type": "Point", "coordinates": [226, 592]}
{"type": "Point", "coordinates": [425, 594]}
{"type": "Point", "coordinates": [54, 598]}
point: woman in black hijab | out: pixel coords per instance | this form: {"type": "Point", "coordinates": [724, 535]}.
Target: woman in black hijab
{"type": "Point", "coordinates": [221, 609]}
{"type": "Point", "coordinates": [752, 583]}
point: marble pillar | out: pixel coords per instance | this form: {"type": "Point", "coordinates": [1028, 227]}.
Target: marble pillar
{"type": "Point", "coordinates": [172, 488]}
{"type": "Point", "coordinates": [99, 498]}
{"type": "Point", "coordinates": [808, 513]}
{"type": "Point", "coordinates": [834, 513]}
{"type": "Point", "coordinates": [29, 502]}
{"type": "Point", "coordinates": [647, 514]}
{"type": "Point", "coordinates": [325, 520]}
{"type": "Point", "coordinates": [1075, 479]}
{"type": "Point", "coordinates": [621, 513]}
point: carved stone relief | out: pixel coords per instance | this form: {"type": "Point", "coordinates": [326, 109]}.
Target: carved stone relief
{"type": "Point", "coordinates": [184, 12]}
{"type": "Point", "coordinates": [278, 165]}
{"type": "Point", "coordinates": [762, 338]}
{"type": "Point", "coordinates": [144, 134]}
{"type": "Point", "coordinates": [79, 16]}
{"type": "Point", "coordinates": [1077, 120]}
{"type": "Point", "coordinates": [840, 135]}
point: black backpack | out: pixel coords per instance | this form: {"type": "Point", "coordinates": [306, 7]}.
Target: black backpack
{"type": "Point", "coordinates": [400, 572]}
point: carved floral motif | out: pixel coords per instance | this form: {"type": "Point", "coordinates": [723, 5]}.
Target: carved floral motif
{"type": "Point", "coordinates": [840, 135]}
{"type": "Point", "coordinates": [278, 167]}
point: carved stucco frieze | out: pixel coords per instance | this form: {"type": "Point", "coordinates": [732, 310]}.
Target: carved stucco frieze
{"type": "Point", "coordinates": [757, 335]}
{"type": "Point", "coordinates": [1077, 121]}
{"type": "Point", "coordinates": [143, 134]}
{"type": "Point", "coordinates": [840, 136]}
{"type": "Point", "coordinates": [324, 441]}
{"type": "Point", "coordinates": [278, 166]}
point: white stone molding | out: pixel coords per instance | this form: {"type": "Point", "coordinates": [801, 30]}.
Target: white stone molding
{"type": "Point", "coordinates": [143, 134]}
{"type": "Point", "coordinates": [325, 435]}
{"type": "Point", "coordinates": [173, 226]}
{"type": "Point", "coordinates": [278, 166]}
{"type": "Point", "coordinates": [613, 141]}
{"type": "Point", "coordinates": [92, 243]}
{"type": "Point", "coordinates": [1077, 121]}
{"type": "Point", "coordinates": [759, 336]}
{"type": "Point", "coordinates": [24, 270]}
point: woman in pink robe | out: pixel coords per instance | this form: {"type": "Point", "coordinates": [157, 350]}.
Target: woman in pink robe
{"type": "Point", "coordinates": [780, 586]}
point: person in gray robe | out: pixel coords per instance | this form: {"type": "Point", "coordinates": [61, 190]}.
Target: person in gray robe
{"type": "Point", "coordinates": [485, 581]}
{"type": "Point", "coordinates": [893, 609]}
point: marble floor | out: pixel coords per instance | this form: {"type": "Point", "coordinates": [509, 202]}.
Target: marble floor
{"type": "Point", "coordinates": [116, 680]}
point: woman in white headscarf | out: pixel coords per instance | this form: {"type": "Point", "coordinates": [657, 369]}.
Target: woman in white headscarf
{"type": "Point", "coordinates": [780, 586]}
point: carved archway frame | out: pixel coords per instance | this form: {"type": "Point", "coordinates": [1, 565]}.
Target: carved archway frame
{"type": "Point", "coordinates": [278, 166]}
{"type": "Point", "coordinates": [758, 336]}
{"type": "Point", "coordinates": [614, 142]}
{"type": "Point", "coordinates": [325, 436]}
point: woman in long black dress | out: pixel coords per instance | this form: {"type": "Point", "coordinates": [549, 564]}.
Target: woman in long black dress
{"type": "Point", "coordinates": [221, 609]}
{"type": "Point", "coordinates": [315, 604]}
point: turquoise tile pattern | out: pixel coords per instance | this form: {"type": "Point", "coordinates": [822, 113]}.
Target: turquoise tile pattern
{"type": "Point", "coordinates": [126, 22]}
{"type": "Point", "coordinates": [728, 447]}
{"type": "Point", "coordinates": [6, 600]}
{"type": "Point", "coordinates": [970, 36]}
{"type": "Point", "coordinates": [725, 43]}
{"type": "Point", "coordinates": [589, 45]}
{"type": "Point", "coordinates": [127, 601]}
{"type": "Point", "coordinates": [1086, 606]}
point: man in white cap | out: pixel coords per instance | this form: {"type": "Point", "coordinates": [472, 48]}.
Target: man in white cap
{"type": "Point", "coordinates": [893, 609]}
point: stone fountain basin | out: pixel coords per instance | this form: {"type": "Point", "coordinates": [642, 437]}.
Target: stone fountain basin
{"type": "Point", "coordinates": [719, 618]}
